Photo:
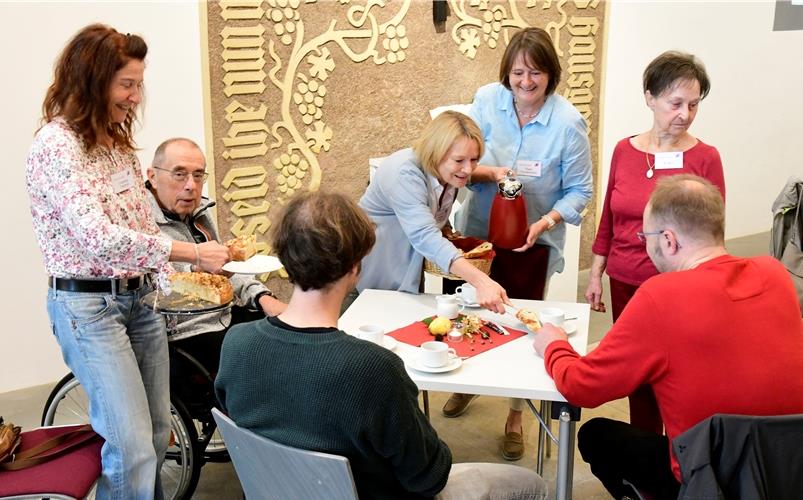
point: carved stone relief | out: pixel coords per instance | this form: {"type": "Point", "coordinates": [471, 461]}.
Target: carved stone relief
{"type": "Point", "coordinates": [303, 93]}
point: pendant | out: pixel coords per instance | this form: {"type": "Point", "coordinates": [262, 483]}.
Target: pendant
{"type": "Point", "coordinates": [650, 173]}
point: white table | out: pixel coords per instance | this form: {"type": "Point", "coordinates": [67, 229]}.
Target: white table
{"type": "Point", "coordinates": [510, 370]}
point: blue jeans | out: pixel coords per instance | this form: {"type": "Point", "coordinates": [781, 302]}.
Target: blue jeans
{"type": "Point", "coordinates": [117, 348]}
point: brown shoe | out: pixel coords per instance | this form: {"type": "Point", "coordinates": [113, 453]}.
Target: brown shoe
{"type": "Point", "coordinates": [513, 447]}
{"type": "Point", "coordinates": [457, 404]}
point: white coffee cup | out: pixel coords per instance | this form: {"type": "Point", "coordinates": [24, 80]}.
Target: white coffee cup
{"type": "Point", "coordinates": [436, 354]}
{"type": "Point", "coordinates": [447, 306]}
{"type": "Point", "coordinates": [552, 315]}
{"type": "Point", "coordinates": [467, 293]}
{"type": "Point", "coordinates": [371, 333]}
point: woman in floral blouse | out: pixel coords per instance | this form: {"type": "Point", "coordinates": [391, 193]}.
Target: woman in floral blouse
{"type": "Point", "coordinates": [100, 243]}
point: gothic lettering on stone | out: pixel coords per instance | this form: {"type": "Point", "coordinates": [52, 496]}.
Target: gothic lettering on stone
{"type": "Point", "coordinates": [267, 43]}
{"type": "Point", "coordinates": [493, 23]}
{"type": "Point", "coordinates": [274, 64]}
{"type": "Point", "coordinates": [241, 9]}
{"type": "Point", "coordinates": [248, 183]}
{"type": "Point", "coordinates": [582, 48]}
{"type": "Point", "coordinates": [242, 51]}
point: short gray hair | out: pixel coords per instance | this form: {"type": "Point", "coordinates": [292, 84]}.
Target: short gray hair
{"type": "Point", "coordinates": [159, 155]}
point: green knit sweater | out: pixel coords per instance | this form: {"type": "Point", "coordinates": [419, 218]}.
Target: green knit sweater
{"type": "Point", "coordinates": [321, 389]}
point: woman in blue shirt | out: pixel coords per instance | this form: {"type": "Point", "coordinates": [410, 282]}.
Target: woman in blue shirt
{"type": "Point", "coordinates": [543, 139]}
{"type": "Point", "coordinates": [409, 200]}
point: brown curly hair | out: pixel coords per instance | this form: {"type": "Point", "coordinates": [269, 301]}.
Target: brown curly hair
{"type": "Point", "coordinates": [82, 77]}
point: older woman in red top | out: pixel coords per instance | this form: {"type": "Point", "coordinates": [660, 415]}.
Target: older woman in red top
{"type": "Point", "coordinates": [674, 84]}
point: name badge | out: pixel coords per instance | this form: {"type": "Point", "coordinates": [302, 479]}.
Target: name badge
{"type": "Point", "coordinates": [672, 159]}
{"type": "Point", "coordinates": [123, 180]}
{"type": "Point", "coordinates": [528, 168]}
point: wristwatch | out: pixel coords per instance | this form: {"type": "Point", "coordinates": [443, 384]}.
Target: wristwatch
{"type": "Point", "coordinates": [550, 222]}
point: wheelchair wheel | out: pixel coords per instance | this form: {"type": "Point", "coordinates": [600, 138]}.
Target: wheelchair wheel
{"type": "Point", "coordinates": [216, 448]}
{"type": "Point", "coordinates": [68, 404]}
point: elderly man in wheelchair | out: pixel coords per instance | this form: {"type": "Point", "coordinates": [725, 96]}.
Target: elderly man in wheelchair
{"type": "Point", "coordinates": [175, 182]}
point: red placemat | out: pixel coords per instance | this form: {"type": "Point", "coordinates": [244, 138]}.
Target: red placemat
{"type": "Point", "coordinates": [416, 334]}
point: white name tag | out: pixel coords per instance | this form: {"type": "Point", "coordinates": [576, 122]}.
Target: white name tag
{"type": "Point", "coordinates": [672, 159]}
{"type": "Point", "coordinates": [123, 180]}
{"type": "Point", "coordinates": [528, 168]}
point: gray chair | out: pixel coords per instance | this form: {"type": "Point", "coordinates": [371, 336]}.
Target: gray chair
{"type": "Point", "coordinates": [269, 470]}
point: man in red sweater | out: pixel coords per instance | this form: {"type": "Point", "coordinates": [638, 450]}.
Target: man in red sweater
{"type": "Point", "coordinates": [712, 334]}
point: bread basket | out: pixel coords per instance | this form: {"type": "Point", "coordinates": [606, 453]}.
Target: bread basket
{"type": "Point", "coordinates": [464, 243]}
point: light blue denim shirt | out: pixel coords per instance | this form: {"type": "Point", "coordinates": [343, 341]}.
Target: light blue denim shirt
{"type": "Point", "coordinates": [402, 200]}
{"type": "Point", "coordinates": [558, 138]}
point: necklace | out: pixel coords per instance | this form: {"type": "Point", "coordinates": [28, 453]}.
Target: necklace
{"type": "Point", "coordinates": [520, 113]}
{"type": "Point", "coordinates": [650, 168]}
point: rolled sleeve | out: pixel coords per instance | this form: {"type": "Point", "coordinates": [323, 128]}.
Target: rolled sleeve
{"type": "Point", "coordinates": [576, 175]}
{"type": "Point", "coordinates": [407, 196]}
{"type": "Point", "coordinates": [246, 288]}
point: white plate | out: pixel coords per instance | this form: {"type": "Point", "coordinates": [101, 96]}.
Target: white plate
{"type": "Point", "coordinates": [569, 326]}
{"type": "Point", "coordinates": [470, 305]}
{"type": "Point", "coordinates": [418, 366]}
{"type": "Point", "coordinates": [257, 264]}
{"type": "Point", "coordinates": [389, 342]}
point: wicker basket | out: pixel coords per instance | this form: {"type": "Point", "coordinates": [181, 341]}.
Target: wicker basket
{"type": "Point", "coordinates": [483, 265]}
{"type": "Point", "coordinates": [465, 244]}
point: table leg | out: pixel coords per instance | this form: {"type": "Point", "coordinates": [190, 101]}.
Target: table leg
{"type": "Point", "coordinates": [563, 485]}
{"type": "Point", "coordinates": [548, 420]}
{"type": "Point", "coordinates": [539, 458]}
{"type": "Point", "coordinates": [426, 403]}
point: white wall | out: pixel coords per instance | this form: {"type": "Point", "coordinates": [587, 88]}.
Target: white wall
{"type": "Point", "coordinates": [752, 116]}
{"type": "Point", "coordinates": [32, 35]}
{"type": "Point", "coordinates": [753, 113]}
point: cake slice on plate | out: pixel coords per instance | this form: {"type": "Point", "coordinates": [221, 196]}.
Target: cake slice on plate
{"type": "Point", "coordinates": [242, 247]}
{"type": "Point", "coordinates": [209, 287]}
{"type": "Point", "coordinates": [530, 319]}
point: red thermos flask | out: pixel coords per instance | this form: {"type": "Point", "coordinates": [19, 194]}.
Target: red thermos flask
{"type": "Point", "coordinates": [507, 225]}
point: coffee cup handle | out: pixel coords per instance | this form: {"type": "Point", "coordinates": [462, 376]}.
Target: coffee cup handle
{"type": "Point", "coordinates": [452, 353]}
{"type": "Point", "coordinates": [459, 290]}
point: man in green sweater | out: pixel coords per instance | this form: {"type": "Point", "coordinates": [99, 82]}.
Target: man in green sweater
{"type": "Point", "coordinates": [298, 380]}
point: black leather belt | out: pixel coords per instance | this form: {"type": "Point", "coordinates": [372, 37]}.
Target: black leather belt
{"type": "Point", "coordinates": [103, 285]}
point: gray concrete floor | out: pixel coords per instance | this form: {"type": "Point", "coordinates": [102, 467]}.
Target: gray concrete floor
{"type": "Point", "coordinates": [474, 437]}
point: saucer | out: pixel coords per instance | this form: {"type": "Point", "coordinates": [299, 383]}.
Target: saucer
{"type": "Point", "coordinates": [570, 326]}
{"type": "Point", "coordinates": [389, 342]}
{"type": "Point", "coordinates": [453, 364]}
{"type": "Point", "coordinates": [470, 305]}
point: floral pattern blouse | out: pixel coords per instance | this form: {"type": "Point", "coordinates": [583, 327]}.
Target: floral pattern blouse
{"type": "Point", "coordinates": [84, 226]}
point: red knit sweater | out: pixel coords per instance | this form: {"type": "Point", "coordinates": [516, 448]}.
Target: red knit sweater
{"type": "Point", "coordinates": [725, 337]}
{"type": "Point", "coordinates": [628, 191]}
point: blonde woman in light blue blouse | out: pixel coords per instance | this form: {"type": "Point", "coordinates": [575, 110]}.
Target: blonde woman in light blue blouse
{"type": "Point", "coordinates": [409, 200]}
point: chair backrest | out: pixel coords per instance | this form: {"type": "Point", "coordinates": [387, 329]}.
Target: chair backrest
{"type": "Point", "coordinates": [742, 458]}
{"type": "Point", "coordinates": [271, 470]}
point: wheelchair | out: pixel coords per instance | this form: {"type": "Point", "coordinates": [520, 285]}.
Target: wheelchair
{"type": "Point", "coordinates": [195, 439]}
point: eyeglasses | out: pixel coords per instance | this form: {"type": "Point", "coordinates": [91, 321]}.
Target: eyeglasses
{"type": "Point", "coordinates": [642, 236]}
{"type": "Point", "coordinates": [182, 175]}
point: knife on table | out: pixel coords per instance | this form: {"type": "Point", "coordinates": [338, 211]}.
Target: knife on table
{"type": "Point", "coordinates": [496, 327]}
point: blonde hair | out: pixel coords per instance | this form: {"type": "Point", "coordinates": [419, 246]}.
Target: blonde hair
{"type": "Point", "coordinates": [692, 204]}
{"type": "Point", "coordinates": [440, 134]}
